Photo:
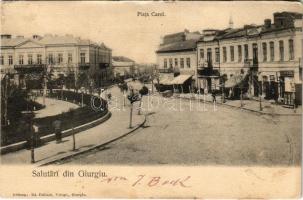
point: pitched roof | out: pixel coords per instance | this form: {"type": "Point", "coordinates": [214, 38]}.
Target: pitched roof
{"type": "Point", "coordinates": [178, 46]}
{"type": "Point", "coordinates": [12, 42]}
{"type": "Point", "coordinates": [52, 40]}
{"type": "Point", "coordinates": [122, 59]}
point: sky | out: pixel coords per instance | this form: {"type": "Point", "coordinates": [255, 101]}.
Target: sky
{"type": "Point", "coordinates": [118, 25]}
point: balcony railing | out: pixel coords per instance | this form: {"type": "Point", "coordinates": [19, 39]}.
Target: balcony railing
{"type": "Point", "coordinates": [30, 67]}
{"type": "Point", "coordinates": [166, 70]}
{"type": "Point", "coordinates": [103, 65]}
{"type": "Point", "coordinates": [251, 63]}
{"type": "Point", "coordinates": [84, 66]}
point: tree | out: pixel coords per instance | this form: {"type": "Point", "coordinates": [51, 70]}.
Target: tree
{"type": "Point", "coordinates": [82, 81]}
{"type": "Point", "coordinates": [143, 91]}
{"type": "Point", "coordinates": [132, 97]}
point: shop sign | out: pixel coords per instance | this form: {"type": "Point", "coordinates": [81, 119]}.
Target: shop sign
{"type": "Point", "coordinates": [289, 84]}
{"type": "Point", "coordinates": [287, 73]}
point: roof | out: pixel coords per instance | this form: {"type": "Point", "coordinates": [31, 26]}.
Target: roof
{"type": "Point", "coordinates": [178, 46]}
{"type": "Point", "coordinates": [12, 42]}
{"type": "Point", "coordinates": [50, 40]}
{"type": "Point", "coordinates": [122, 59]}
{"type": "Point", "coordinates": [180, 79]}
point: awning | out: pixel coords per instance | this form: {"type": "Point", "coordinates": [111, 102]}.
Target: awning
{"type": "Point", "coordinates": [165, 79]}
{"type": "Point", "coordinates": [233, 81]}
{"type": "Point", "coordinates": [180, 79]}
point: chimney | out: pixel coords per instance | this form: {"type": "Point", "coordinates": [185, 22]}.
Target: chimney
{"type": "Point", "coordinates": [37, 37]}
{"type": "Point", "coordinates": [267, 23]}
{"type": "Point", "coordinates": [6, 36]}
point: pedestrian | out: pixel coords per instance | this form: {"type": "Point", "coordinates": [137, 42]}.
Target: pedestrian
{"type": "Point", "coordinates": [213, 94]}
{"type": "Point", "coordinates": [57, 127]}
{"type": "Point", "coordinates": [109, 97]}
{"type": "Point", "coordinates": [35, 129]}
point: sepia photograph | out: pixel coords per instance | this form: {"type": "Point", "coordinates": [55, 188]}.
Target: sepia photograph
{"type": "Point", "coordinates": [151, 99]}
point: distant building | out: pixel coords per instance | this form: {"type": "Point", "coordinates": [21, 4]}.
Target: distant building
{"type": "Point", "coordinates": [176, 56]}
{"type": "Point", "coordinates": [268, 56]}
{"type": "Point", "coordinates": [123, 67]}
{"type": "Point", "coordinates": [60, 54]}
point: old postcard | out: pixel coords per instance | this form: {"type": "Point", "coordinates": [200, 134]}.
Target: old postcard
{"type": "Point", "coordinates": [151, 99]}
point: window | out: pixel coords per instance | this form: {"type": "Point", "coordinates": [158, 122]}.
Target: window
{"type": "Point", "coordinates": [281, 50]}
{"type": "Point", "coordinates": [291, 49]}
{"type": "Point", "coordinates": [82, 58]}
{"type": "Point", "coordinates": [264, 49]}
{"type": "Point", "coordinates": [239, 53]}
{"type": "Point", "coordinates": [188, 62]}
{"type": "Point", "coordinates": [182, 62]}
{"type": "Point", "coordinates": [39, 59]}
{"type": "Point", "coordinates": [246, 51]}
{"type": "Point", "coordinates": [209, 55]}
{"type": "Point", "coordinates": [201, 53]}
{"type": "Point", "coordinates": [232, 53]}
{"type": "Point", "coordinates": [217, 51]}
{"type": "Point", "coordinates": [50, 59]}
{"type": "Point", "coordinates": [21, 59]}
{"type": "Point", "coordinates": [176, 62]}
{"type": "Point", "coordinates": [60, 58]}
{"type": "Point", "coordinates": [224, 54]}
{"type": "Point", "coordinates": [1, 60]}
{"type": "Point", "coordinates": [30, 59]}
{"type": "Point", "coordinates": [170, 63]}
{"type": "Point", "coordinates": [272, 51]}
{"type": "Point", "coordinates": [165, 63]}
{"type": "Point", "coordinates": [10, 60]}
{"type": "Point", "coordinates": [70, 58]}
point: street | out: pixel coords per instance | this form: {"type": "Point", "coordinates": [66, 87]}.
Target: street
{"type": "Point", "coordinates": [179, 132]}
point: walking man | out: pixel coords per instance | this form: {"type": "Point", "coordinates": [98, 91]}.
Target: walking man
{"type": "Point", "coordinates": [57, 127]}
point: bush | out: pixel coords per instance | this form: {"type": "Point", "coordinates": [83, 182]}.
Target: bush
{"type": "Point", "coordinates": [15, 133]}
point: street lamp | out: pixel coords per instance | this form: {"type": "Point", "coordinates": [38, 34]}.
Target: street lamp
{"type": "Point", "coordinates": [29, 115]}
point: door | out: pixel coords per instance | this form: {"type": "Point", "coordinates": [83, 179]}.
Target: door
{"type": "Point", "coordinates": [255, 55]}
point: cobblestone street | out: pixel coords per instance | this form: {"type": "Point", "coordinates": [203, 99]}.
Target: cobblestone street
{"type": "Point", "coordinates": [187, 135]}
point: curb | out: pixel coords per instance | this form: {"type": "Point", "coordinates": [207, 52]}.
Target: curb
{"type": "Point", "coordinates": [51, 137]}
{"type": "Point", "coordinates": [94, 147]}
{"type": "Point", "coordinates": [246, 109]}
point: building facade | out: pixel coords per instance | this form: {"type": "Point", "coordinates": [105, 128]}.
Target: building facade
{"type": "Point", "coordinates": [269, 55]}
{"type": "Point", "coordinates": [176, 56]}
{"type": "Point", "coordinates": [123, 67]}
{"type": "Point", "coordinates": [59, 54]}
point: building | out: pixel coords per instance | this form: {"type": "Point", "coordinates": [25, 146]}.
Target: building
{"type": "Point", "coordinates": [58, 54]}
{"type": "Point", "coordinates": [268, 57]}
{"type": "Point", "coordinates": [123, 67]}
{"type": "Point", "coordinates": [176, 56]}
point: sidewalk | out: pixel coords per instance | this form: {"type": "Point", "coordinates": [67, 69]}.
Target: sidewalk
{"type": "Point", "coordinates": [250, 105]}
{"type": "Point", "coordinates": [114, 127]}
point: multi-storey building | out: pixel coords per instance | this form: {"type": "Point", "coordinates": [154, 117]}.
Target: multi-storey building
{"type": "Point", "coordinates": [176, 56]}
{"type": "Point", "coordinates": [123, 67]}
{"type": "Point", "coordinates": [60, 54]}
{"type": "Point", "coordinates": [268, 55]}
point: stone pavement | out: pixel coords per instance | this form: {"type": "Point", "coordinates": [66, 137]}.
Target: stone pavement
{"type": "Point", "coordinates": [114, 127]}
{"type": "Point", "coordinates": [268, 107]}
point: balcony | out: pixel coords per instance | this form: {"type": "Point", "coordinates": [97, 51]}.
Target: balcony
{"type": "Point", "coordinates": [207, 72]}
{"type": "Point", "coordinates": [251, 63]}
{"type": "Point", "coordinates": [166, 70]}
{"type": "Point", "coordinates": [84, 66]}
{"type": "Point", "coordinates": [103, 65]}
{"type": "Point", "coordinates": [30, 68]}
